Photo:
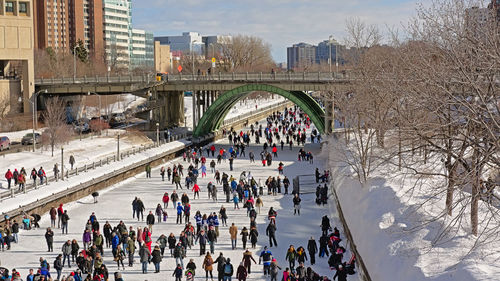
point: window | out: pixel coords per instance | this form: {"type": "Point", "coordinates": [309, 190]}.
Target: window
{"type": "Point", "coordinates": [23, 8]}
{"type": "Point", "coordinates": [9, 7]}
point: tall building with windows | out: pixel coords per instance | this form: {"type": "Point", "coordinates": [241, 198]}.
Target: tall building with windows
{"type": "Point", "coordinates": [187, 42]}
{"type": "Point", "coordinates": [329, 49]}
{"type": "Point", "coordinates": [16, 54]}
{"type": "Point", "coordinates": [117, 16]}
{"type": "Point", "coordinates": [301, 55]}
{"type": "Point", "coordinates": [85, 23]}
{"type": "Point", "coordinates": [59, 24]}
{"type": "Point", "coordinates": [143, 53]}
{"type": "Point", "coordinates": [51, 24]}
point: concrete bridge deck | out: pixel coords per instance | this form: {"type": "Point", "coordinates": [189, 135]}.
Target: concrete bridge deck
{"type": "Point", "coordinates": [303, 81]}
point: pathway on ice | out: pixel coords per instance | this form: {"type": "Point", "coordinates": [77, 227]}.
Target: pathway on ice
{"type": "Point", "coordinates": [115, 205]}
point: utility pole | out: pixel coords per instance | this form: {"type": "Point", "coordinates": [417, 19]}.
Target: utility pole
{"type": "Point", "coordinates": [118, 148]}
{"type": "Point", "coordinates": [74, 61]}
{"type": "Point", "coordinates": [62, 163]}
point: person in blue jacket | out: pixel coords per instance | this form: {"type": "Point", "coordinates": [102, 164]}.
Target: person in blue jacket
{"type": "Point", "coordinates": [216, 223]}
{"type": "Point", "coordinates": [114, 244]}
{"type": "Point", "coordinates": [178, 273]}
{"type": "Point", "coordinates": [180, 209]}
{"type": "Point", "coordinates": [266, 257]}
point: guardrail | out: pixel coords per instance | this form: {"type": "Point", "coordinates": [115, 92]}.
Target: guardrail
{"type": "Point", "coordinates": [256, 77]}
{"type": "Point", "coordinates": [362, 270]}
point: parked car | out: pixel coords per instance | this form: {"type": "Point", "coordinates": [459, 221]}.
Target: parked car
{"type": "Point", "coordinates": [4, 143]}
{"type": "Point", "coordinates": [82, 126]}
{"type": "Point", "coordinates": [117, 119]}
{"type": "Point", "coordinates": [28, 138]}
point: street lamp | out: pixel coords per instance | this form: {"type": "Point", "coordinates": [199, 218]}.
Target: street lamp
{"type": "Point", "coordinates": [213, 49]}
{"type": "Point", "coordinates": [74, 62]}
{"type": "Point", "coordinates": [158, 134]}
{"type": "Point", "coordinates": [192, 53]}
{"type": "Point", "coordinates": [330, 53]}
{"type": "Point", "coordinates": [336, 58]}
{"type": "Point", "coordinates": [33, 103]}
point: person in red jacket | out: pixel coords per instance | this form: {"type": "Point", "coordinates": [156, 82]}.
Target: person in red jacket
{"type": "Point", "coordinates": [8, 176]}
{"type": "Point", "coordinates": [60, 212]}
{"type": "Point", "coordinates": [165, 200]}
{"type": "Point", "coordinates": [196, 189]}
{"type": "Point", "coordinates": [212, 149]}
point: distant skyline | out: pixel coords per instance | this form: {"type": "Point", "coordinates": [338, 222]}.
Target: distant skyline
{"type": "Point", "coordinates": [279, 22]}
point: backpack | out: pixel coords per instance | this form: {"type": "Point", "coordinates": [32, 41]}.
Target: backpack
{"type": "Point", "coordinates": [227, 269]}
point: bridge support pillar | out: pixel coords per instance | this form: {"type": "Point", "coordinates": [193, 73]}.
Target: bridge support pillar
{"type": "Point", "coordinates": [170, 109]}
{"type": "Point", "coordinates": [205, 101]}
{"type": "Point", "coordinates": [194, 101]}
{"type": "Point", "coordinates": [329, 114]}
{"type": "Point", "coordinates": [198, 107]}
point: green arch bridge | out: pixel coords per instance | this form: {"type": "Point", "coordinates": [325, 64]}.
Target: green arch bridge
{"type": "Point", "coordinates": [214, 116]}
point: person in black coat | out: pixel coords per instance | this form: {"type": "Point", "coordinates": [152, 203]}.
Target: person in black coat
{"type": "Point", "coordinates": [325, 225]}
{"type": "Point", "coordinates": [49, 237]}
{"type": "Point", "coordinates": [192, 266]}
{"type": "Point", "coordinates": [58, 266]}
{"type": "Point", "coordinates": [341, 273]}
{"type": "Point", "coordinates": [220, 261]}
{"type": "Point", "coordinates": [271, 232]}
{"type": "Point", "coordinates": [323, 246]}
{"type": "Point", "coordinates": [312, 248]}
{"type": "Point", "coordinates": [171, 243]}
{"type": "Point", "coordinates": [150, 220]}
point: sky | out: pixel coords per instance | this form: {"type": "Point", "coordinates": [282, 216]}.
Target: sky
{"type": "Point", "coordinates": [279, 22]}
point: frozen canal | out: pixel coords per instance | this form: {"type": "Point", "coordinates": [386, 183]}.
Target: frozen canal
{"type": "Point", "coordinates": [115, 205]}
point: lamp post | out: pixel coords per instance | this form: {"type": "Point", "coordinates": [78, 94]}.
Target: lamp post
{"type": "Point", "coordinates": [33, 103]}
{"type": "Point", "coordinates": [330, 53]}
{"type": "Point", "coordinates": [192, 53]}
{"type": "Point", "coordinates": [213, 49]}
{"type": "Point", "coordinates": [74, 62]}
{"type": "Point", "coordinates": [62, 163]}
{"type": "Point", "coordinates": [118, 148]}
{"type": "Point", "coordinates": [158, 134]}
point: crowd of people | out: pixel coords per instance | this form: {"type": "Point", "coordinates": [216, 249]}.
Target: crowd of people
{"type": "Point", "coordinates": [128, 245]}
{"type": "Point", "coordinates": [20, 178]}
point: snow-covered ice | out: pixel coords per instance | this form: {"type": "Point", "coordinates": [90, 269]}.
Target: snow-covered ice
{"type": "Point", "coordinates": [115, 204]}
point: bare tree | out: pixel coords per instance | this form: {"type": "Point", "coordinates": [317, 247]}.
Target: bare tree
{"type": "Point", "coordinates": [57, 131]}
{"type": "Point", "coordinates": [246, 53]}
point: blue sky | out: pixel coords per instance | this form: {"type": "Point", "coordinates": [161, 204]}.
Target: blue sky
{"type": "Point", "coordinates": [279, 22]}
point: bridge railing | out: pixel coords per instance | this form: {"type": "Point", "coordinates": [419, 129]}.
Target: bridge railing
{"type": "Point", "coordinates": [248, 77]}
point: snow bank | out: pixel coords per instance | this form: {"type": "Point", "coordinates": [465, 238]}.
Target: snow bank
{"type": "Point", "coordinates": [384, 219]}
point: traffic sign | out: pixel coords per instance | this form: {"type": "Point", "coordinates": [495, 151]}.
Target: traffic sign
{"type": "Point", "coordinates": [213, 60]}
{"type": "Point", "coordinates": [179, 68]}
